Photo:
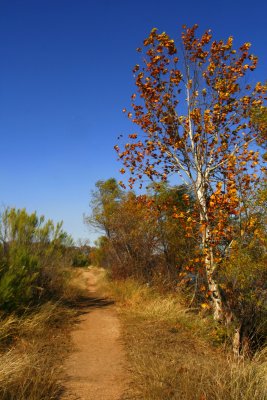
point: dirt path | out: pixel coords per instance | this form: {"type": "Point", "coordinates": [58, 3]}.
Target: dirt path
{"type": "Point", "coordinates": [96, 368]}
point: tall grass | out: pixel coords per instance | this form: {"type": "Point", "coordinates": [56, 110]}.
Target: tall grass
{"type": "Point", "coordinates": [32, 347]}
{"type": "Point", "coordinates": [173, 354]}
{"type": "Point", "coordinates": [28, 376]}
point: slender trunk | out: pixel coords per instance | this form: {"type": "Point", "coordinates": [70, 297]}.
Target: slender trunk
{"type": "Point", "coordinates": [210, 265]}
{"type": "Point", "coordinates": [236, 342]}
{"type": "Point", "coordinates": [241, 340]}
{"type": "Point", "coordinates": [212, 284]}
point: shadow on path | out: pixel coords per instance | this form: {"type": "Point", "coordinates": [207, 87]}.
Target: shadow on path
{"type": "Point", "coordinates": [85, 304]}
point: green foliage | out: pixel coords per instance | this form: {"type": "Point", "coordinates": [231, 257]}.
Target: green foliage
{"type": "Point", "coordinates": [80, 260]}
{"type": "Point", "coordinates": [104, 202]}
{"type": "Point", "coordinates": [18, 283]}
{"type": "Point", "coordinates": [30, 247]}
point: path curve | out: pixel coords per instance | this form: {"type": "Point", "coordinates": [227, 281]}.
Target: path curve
{"type": "Point", "coordinates": [96, 369]}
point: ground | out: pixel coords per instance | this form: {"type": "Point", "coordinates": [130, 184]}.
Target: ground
{"type": "Point", "coordinates": [96, 368]}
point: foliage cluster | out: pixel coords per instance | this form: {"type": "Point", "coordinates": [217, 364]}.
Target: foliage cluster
{"type": "Point", "coordinates": [201, 121]}
{"type": "Point", "coordinates": [33, 257]}
{"type": "Point", "coordinates": [142, 239]}
{"type": "Point", "coordinates": [81, 256]}
{"type": "Point", "coordinates": [145, 241]}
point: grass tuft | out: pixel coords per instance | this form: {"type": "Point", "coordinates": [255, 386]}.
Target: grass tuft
{"type": "Point", "coordinates": [32, 349]}
{"type": "Point", "coordinates": [172, 351]}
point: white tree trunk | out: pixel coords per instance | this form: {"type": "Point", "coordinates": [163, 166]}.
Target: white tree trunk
{"type": "Point", "coordinates": [213, 286]}
{"type": "Point", "coordinates": [207, 249]}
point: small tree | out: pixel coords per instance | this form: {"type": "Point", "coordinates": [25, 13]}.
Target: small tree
{"type": "Point", "coordinates": [32, 253]}
{"type": "Point", "coordinates": [195, 114]}
{"type": "Point", "coordinates": [165, 202]}
{"type": "Point", "coordinates": [104, 201]}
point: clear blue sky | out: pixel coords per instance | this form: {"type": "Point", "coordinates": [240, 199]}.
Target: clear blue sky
{"type": "Point", "coordinates": [65, 76]}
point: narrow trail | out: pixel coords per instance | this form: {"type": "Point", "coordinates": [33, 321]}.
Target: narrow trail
{"type": "Point", "coordinates": [96, 369]}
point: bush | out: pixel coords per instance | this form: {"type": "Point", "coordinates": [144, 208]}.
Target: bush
{"type": "Point", "coordinates": [32, 259]}
{"type": "Point", "coordinates": [244, 279]}
{"type": "Point", "coordinates": [80, 260]}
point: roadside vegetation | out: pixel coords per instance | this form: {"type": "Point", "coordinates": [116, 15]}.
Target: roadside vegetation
{"type": "Point", "coordinates": [176, 352]}
{"type": "Point", "coordinates": [188, 262]}
{"type": "Point", "coordinates": [146, 243]}
{"type": "Point", "coordinates": [37, 286]}
{"type": "Point", "coordinates": [176, 349]}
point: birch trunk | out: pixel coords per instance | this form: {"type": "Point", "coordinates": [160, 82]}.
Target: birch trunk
{"type": "Point", "coordinates": [210, 265]}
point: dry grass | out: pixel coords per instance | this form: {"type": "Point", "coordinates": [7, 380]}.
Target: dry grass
{"type": "Point", "coordinates": [74, 286]}
{"type": "Point", "coordinates": [33, 347]}
{"type": "Point", "coordinates": [172, 354]}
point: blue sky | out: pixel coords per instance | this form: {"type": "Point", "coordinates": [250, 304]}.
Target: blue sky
{"type": "Point", "coordinates": [65, 76]}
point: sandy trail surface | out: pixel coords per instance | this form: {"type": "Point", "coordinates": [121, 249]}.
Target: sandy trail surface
{"type": "Point", "coordinates": [96, 369]}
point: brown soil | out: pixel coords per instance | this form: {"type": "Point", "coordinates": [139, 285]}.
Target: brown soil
{"type": "Point", "coordinates": [96, 369]}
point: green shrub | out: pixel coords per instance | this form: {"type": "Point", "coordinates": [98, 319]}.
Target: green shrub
{"type": "Point", "coordinates": [80, 260]}
{"type": "Point", "coordinates": [32, 259]}
{"type": "Point", "coordinates": [17, 283]}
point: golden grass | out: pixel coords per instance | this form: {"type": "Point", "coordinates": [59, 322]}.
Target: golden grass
{"type": "Point", "coordinates": [33, 347]}
{"type": "Point", "coordinates": [172, 351]}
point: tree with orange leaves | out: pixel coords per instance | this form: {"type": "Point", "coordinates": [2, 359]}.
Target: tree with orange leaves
{"type": "Point", "coordinates": [194, 112]}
